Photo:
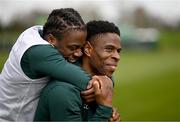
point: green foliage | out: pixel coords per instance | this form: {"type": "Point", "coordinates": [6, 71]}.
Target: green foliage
{"type": "Point", "coordinates": [3, 57]}
{"type": "Point", "coordinates": [169, 40]}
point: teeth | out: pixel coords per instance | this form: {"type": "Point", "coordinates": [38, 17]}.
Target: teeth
{"type": "Point", "coordinates": [72, 60]}
{"type": "Point", "coordinates": [113, 67]}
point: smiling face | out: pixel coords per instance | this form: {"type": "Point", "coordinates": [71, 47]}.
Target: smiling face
{"type": "Point", "coordinates": [105, 53]}
{"type": "Point", "coordinates": [70, 44]}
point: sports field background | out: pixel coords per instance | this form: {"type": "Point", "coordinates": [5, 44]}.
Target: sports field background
{"type": "Point", "coordinates": [147, 82]}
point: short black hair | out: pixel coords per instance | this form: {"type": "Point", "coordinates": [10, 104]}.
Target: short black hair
{"type": "Point", "coordinates": [99, 27]}
{"type": "Point", "coordinates": [61, 20]}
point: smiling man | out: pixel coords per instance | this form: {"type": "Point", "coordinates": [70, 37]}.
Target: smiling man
{"type": "Point", "coordinates": [62, 101]}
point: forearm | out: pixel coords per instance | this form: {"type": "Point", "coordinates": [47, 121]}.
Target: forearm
{"type": "Point", "coordinates": [45, 60]}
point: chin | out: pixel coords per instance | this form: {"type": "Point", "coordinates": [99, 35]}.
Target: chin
{"type": "Point", "coordinates": [109, 74]}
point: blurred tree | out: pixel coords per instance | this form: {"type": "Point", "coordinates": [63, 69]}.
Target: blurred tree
{"type": "Point", "coordinates": [141, 19]}
{"type": "Point", "coordinates": [9, 33]}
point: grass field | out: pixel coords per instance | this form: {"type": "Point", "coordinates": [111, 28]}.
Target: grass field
{"type": "Point", "coordinates": [147, 86]}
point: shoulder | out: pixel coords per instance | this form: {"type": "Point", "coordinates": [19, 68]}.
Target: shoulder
{"type": "Point", "coordinates": [64, 94]}
{"type": "Point", "coordinates": [55, 85]}
{"type": "Point", "coordinates": [62, 101]}
{"type": "Point", "coordinates": [41, 52]}
{"type": "Point", "coordinates": [41, 49]}
{"type": "Point", "coordinates": [67, 91]}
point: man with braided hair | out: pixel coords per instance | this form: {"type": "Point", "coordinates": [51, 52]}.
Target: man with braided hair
{"type": "Point", "coordinates": [38, 56]}
{"type": "Point", "coordinates": [61, 101]}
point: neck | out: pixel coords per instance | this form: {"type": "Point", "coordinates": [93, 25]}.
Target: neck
{"type": "Point", "coordinates": [86, 65]}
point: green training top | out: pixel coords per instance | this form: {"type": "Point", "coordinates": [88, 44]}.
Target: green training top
{"type": "Point", "coordinates": [44, 60]}
{"type": "Point", "coordinates": [61, 101]}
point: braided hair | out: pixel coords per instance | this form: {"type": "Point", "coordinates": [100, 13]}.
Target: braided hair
{"type": "Point", "coordinates": [62, 20]}
{"type": "Point", "coordinates": [100, 27]}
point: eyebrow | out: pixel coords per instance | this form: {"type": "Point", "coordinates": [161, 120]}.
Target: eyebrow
{"type": "Point", "coordinates": [112, 45]}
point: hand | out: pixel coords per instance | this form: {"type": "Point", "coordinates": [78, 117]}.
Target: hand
{"type": "Point", "coordinates": [103, 90]}
{"type": "Point", "coordinates": [115, 116]}
{"type": "Point", "coordinates": [99, 89]}
{"type": "Point", "coordinates": [88, 94]}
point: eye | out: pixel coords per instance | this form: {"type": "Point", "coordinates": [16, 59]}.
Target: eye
{"type": "Point", "coordinates": [73, 48]}
{"type": "Point", "coordinates": [119, 51]}
{"type": "Point", "coordinates": [109, 49]}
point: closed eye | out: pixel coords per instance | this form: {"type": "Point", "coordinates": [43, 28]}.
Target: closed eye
{"type": "Point", "coordinates": [74, 47]}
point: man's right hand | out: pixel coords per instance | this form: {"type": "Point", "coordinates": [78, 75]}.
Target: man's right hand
{"type": "Point", "coordinates": [98, 89]}
{"type": "Point", "coordinates": [103, 90]}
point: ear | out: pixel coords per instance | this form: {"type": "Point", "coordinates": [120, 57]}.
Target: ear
{"type": "Point", "coordinates": [88, 49]}
{"type": "Point", "coordinates": [52, 40]}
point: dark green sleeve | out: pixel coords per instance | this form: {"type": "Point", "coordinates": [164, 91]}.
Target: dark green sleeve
{"type": "Point", "coordinates": [102, 113]}
{"type": "Point", "coordinates": [44, 60]}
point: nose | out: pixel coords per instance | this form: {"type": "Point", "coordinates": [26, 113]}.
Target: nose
{"type": "Point", "coordinates": [116, 55]}
{"type": "Point", "coordinates": [78, 53]}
